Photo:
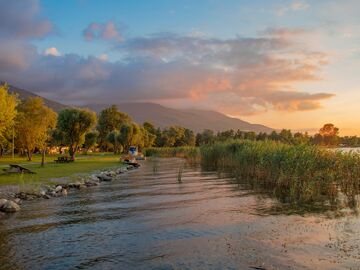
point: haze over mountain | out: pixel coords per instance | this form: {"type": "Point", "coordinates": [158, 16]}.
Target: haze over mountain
{"type": "Point", "coordinates": [160, 116]}
{"type": "Point", "coordinates": [196, 120]}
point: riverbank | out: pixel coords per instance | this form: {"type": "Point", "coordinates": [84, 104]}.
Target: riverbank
{"type": "Point", "coordinates": [56, 180]}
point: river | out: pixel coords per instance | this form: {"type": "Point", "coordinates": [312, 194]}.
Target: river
{"type": "Point", "coordinates": [150, 220]}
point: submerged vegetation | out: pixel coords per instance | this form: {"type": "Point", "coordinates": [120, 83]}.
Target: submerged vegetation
{"type": "Point", "coordinates": [294, 174]}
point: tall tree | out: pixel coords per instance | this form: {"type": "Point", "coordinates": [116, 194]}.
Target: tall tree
{"type": "Point", "coordinates": [8, 104]}
{"type": "Point", "coordinates": [33, 123]}
{"type": "Point", "coordinates": [110, 119]}
{"type": "Point", "coordinates": [329, 134]}
{"type": "Point", "coordinates": [90, 140]}
{"type": "Point", "coordinates": [75, 123]}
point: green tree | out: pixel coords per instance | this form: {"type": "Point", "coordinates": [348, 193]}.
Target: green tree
{"type": "Point", "coordinates": [33, 124]}
{"type": "Point", "coordinates": [90, 140]}
{"type": "Point", "coordinates": [126, 135]}
{"type": "Point", "coordinates": [110, 119]}
{"type": "Point", "coordinates": [115, 140]}
{"type": "Point", "coordinates": [205, 137]}
{"type": "Point", "coordinates": [75, 123]}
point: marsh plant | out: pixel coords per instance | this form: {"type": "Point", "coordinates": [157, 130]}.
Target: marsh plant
{"type": "Point", "coordinates": [190, 153]}
{"type": "Point", "coordinates": [180, 172]}
{"type": "Point", "coordinates": [294, 174]}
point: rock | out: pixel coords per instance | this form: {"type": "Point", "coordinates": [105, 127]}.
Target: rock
{"type": "Point", "coordinates": [58, 189]}
{"type": "Point", "coordinates": [10, 207]}
{"type": "Point", "coordinates": [93, 177]}
{"type": "Point", "coordinates": [77, 185]}
{"type": "Point", "coordinates": [3, 202]}
{"type": "Point", "coordinates": [2, 215]}
{"type": "Point", "coordinates": [64, 192]}
{"type": "Point", "coordinates": [91, 183]}
{"type": "Point", "coordinates": [46, 196]}
{"type": "Point", "coordinates": [42, 192]}
{"type": "Point", "coordinates": [104, 178]}
{"type": "Point", "coordinates": [17, 200]}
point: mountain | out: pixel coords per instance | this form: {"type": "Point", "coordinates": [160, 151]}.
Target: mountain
{"type": "Point", "coordinates": [196, 120]}
{"type": "Point", "coordinates": [24, 94]}
{"type": "Point", "coordinates": [160, 116]}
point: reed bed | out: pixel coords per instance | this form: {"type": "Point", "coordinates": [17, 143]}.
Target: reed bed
{"type": "Point", "coordinates": [191, 154]}
{"type": "Point", "coordinates": [294, 174]}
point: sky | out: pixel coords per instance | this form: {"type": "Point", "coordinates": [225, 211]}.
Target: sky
{"type": "Point", "coordinates": [286, 64]}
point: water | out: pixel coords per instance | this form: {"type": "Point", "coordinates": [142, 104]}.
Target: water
{"type": "Point", "coordinates": [149, 220]}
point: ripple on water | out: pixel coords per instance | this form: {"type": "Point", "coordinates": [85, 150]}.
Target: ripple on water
{"type": "Point", "coordinates": [147, 220]}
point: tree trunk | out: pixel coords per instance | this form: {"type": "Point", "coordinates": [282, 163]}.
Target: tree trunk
{"type": "Point", "coordinates": [43, 157]}
{"type": "Point", "coordinates": [29, 155]}
{"type": "Point", "coordinates": [72, 151]}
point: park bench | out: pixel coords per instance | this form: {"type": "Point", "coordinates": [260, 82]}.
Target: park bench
{"type": "Point", "coordinates": [17, 169]}
{"type": "Point", "coordinates": [63, 160]}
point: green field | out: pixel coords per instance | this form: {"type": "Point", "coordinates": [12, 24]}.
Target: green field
{"type": "Point", "coordinates": [83, 164]}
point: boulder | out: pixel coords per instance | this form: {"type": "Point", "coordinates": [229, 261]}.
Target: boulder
{"type": "Point", "coordinates": [10, 207]}
{"type": "Point", "coordinates": [91, 183]}
{"type": "Point", "coordinates": [46, 196]}
{"type": "Point", "coordinates": [104, 178]}
{"type": "Point", "coordinates": [3, 202]}
{"type": "Point", "coordinates": [17, 200]}
{"type": "Point", "coordinates": [58, 189]}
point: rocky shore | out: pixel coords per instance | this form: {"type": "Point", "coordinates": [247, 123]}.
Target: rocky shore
{"type": "Point", "coordinates": [12, 201]}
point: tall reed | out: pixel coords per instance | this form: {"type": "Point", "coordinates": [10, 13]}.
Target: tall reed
{"type": "Point", "coordinates": [295, 174]}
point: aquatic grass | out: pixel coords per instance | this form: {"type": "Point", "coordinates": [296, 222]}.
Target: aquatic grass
{"type": "Point", "coordinates": [191, 154]}
{"type": "Point", "coordinates": [294, 174]}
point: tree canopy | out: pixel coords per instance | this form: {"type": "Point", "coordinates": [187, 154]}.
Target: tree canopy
{"type": "Point", "coordinates": [75, 123]}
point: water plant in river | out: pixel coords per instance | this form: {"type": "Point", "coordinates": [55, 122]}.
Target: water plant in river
{"type": "Point", "coordinates": [294, 174]}
{"type": "Point", "coordinates": [192, 154]}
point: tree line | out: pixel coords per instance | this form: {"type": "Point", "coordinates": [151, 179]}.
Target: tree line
{"type": "Point", "coordinates": [29, 126]}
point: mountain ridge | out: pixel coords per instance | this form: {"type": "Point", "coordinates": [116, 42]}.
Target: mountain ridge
{"type": "Point", "coordinates": [161, 116]}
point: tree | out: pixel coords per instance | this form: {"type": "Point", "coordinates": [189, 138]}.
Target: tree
{"type": "Point", "coordinates": [57, 138]}
{"type": "Point", "coordinates": [8, 112]}
{"type": "Point", "coordinates": [114, 138]}
{"type": "Point", "coordinates": [90, 140]}
{"type": "Point", "coordinates": [110, 119]}
{"type": "Point", "coordinates": [205, 137]}
{"type": "Point", "coordinates": [126, 134]}
{"type": "Point", "coordinates": [33, 123]}
{"type": "Point", "coordinates": [75, 123]}
{"type": "Point", "coordinates": [330, 134]}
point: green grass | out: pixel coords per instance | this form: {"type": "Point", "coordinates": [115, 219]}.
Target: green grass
{"type": "Point", "coordinates": [294, 174]}
{"type": "Point", "coordinates": [83, 164]}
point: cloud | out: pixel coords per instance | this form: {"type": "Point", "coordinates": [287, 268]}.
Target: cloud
{"type": "Point", "coordinates": [20, 19]}
{"type": "Point", "coordinates": [52, 51]}
{"type": "Point", "coordinates": [242, 75]}
{"type": "Point", "coordinates": [105, 31]}
{"type": "Point", "coordinates": [294, 6]}
{"type": "Point", "coordinates": [245, 75]}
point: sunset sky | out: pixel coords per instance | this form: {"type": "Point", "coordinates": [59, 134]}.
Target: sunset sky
{"type": "Point", "coordinates": [286, 64]}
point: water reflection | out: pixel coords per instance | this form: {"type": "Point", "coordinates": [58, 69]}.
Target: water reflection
{"type": "Point", "coordinates": [150, 220]}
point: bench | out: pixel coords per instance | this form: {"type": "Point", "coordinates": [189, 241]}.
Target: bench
{"type": "Point", "coordinates": [63, 160]}
{"type": "Point", "coordinates": [17, 169]}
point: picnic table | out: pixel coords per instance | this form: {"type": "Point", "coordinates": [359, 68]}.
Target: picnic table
{"type": "Point", "coordinates": [63, 160]}
{"type": "Point", "coordinates": [17, 169]}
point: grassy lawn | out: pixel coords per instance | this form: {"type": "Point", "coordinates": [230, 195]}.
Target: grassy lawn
{"type": "Point", "coordinates": [83, 164]}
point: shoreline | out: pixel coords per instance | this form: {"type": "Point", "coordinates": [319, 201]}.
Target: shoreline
{"type": "Point", "coordinates": [11, 201]}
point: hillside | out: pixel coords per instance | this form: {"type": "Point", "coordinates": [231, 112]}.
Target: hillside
{"type": "Point", "coordinates": [196, 120]}
{"type": "Point", "coordinates": [24, 94]}
{"type": "Point", "coordinates": [161, 116]}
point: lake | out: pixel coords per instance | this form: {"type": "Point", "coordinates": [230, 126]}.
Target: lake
{"type": "Point", "coordinates": [150, 220]}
